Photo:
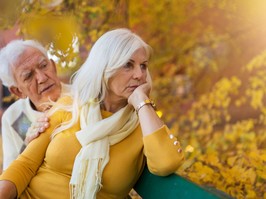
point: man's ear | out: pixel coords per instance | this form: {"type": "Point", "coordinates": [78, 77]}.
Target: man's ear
{"type": "Point", "coordinates": [53, 63]}
{"type": "Point", "coordinates": [16, 91]}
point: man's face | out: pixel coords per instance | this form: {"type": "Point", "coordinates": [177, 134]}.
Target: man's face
{"type": "Point", "coordinates": [36, 78]}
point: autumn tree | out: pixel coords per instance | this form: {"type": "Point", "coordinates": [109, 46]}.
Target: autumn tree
{"type": "Point", "coordinates": [208, 68]}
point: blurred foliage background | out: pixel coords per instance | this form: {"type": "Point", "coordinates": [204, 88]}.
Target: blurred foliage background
{"type": "Point", "coordinates": [208, 69]}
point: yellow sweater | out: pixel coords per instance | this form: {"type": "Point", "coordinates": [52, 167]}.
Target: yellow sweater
{"type": "Point", "coordinates": [43, 170]}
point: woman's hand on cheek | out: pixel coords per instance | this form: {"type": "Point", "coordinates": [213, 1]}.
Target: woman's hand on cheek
{"type": "Point", "coordinates": [140, 94]}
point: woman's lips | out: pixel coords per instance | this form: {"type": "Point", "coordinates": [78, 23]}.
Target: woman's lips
{"type": "Point", "coordinates": [132, 88]}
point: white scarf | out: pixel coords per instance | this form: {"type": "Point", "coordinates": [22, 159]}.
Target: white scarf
{"type": "Point", "coordinates": [96, 136]}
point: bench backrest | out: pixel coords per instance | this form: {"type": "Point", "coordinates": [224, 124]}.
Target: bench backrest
{"type": "Point", "coordinates": [150, 186]}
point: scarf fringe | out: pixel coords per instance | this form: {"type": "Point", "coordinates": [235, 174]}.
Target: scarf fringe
{"type": "Point", "coordinates": [78, 190]}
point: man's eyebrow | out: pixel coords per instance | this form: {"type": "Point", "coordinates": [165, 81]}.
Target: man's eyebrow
{"type": "Point", "coordinates": [41, 59]}
{"type": "Point", "coordinates": [24, 72]}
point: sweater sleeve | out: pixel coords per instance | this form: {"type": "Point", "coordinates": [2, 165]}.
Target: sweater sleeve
{"type": "Point", "coordinates": [21, 171]}
{"type": "Point", "coordinates": [163, 151]}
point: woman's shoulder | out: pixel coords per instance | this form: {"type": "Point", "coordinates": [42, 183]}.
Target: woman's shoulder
{"type": "Point", "coordinates": [61, 106]}
{"type": "Point", "coordinates": [65, 100]}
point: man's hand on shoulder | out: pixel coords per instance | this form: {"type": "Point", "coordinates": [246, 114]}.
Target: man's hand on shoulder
{"type": "Point", "coordinates": [37, 128]}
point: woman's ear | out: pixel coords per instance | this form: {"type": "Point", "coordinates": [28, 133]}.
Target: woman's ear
{"type": "Point", "coordinates": [16, 91]}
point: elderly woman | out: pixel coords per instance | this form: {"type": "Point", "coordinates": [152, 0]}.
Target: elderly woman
{"type": "Point", "coordinates": [109, 131]}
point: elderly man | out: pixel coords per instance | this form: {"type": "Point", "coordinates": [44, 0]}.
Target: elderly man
{"type": "Point", "coordinates": [29, 74]}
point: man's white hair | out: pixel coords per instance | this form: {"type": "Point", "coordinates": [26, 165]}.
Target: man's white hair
{"type": "Point", "coordinates": [10, 54]}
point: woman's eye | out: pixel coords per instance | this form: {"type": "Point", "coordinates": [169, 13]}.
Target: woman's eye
{"type": "Point", "coordinates": [143, 66]}
{"type": "Point", "coordinates": [128, 65]}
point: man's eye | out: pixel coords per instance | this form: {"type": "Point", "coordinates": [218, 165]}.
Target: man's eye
{"type": "Point", "coordinates": [27, 76]}
{"type": "Point", "coordinates": [43, 65]}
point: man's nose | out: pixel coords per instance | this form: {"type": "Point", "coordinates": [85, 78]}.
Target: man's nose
{"type": "Point", "coordinates": [41, 76]}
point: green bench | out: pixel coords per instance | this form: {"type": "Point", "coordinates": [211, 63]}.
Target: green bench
{"type": "Point", "coordinates": [150, 186]}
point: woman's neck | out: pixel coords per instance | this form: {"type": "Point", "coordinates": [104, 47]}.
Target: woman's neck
{"type": "Point", "coordinates": [113, 106]}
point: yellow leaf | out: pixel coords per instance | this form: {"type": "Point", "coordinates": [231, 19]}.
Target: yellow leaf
{"type": "Point", "coordinates": [231, 160]}
{"type": "Point", "coordinates": [251, 194]}
{"type": "Point", "coordinates": [189, 149]}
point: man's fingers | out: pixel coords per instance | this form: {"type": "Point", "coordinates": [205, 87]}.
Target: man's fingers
{"type": "Point", "coordinates": [40, 125]}
{"type": "Point", "coordinates": [31, 137]}
{"type": "Point", "coordinates": [43, 127]}
{"type": "Point", "coordinates": [36, 128]}
{"type": "Point", "coordinates": [43, 119]}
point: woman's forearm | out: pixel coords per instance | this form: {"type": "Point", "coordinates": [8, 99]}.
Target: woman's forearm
{"type": "Point", "coordinates": [149, 120]}
{"type": "Point", "coordinates": [8, 190]}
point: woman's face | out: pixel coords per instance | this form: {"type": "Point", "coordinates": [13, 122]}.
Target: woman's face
{"type": "Point", "coordinates": [122, 84]}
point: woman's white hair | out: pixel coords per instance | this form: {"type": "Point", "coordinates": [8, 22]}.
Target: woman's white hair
{"type": "Point", "coordinates": [110, 52]}
{"type": "Point", "coordinates": [10, 54]}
